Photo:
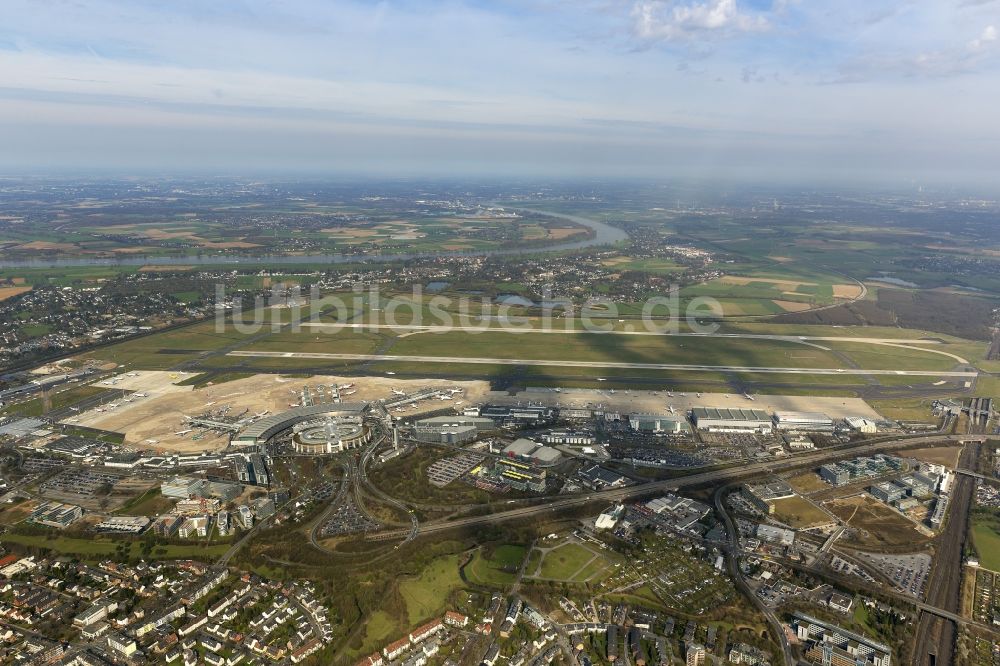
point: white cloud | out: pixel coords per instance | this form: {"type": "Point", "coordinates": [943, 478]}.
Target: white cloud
{"type": "Point", "coordinates": [674, 20]}
{"type": "Point", "coordinates": [988, 36]}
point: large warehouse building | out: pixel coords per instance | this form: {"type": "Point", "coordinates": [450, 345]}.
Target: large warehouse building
{"type": "Point", "coordinates": [712, 419]}
{"type": "Point", "coordinates": [528, 451]}
{"type": "Point", "coordinates": [803, 421]}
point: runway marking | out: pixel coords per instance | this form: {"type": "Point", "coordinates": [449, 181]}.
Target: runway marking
{"type": "Point", "coordinates": [599, 364]}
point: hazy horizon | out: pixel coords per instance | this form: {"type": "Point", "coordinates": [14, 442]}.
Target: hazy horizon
{"type": "Point", "coordinates": [784, 91]}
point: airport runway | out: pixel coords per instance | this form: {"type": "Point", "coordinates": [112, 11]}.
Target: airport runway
{"type": "Point", "coordinates": [603, 364]}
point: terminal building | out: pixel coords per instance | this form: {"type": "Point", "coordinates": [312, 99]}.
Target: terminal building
{"type": "Point", "coordinates": [518, 415]}
{"type": "Point", "coordinates": [451, 429]}
{"type": "Point", "coordinates": [330, 434]}
{"type": "Point", "coordinates": [713, 419]}
{"type": "Point", "coordinates": [804, 421]}
{"type": "Point", "coordinates": [260, 432]}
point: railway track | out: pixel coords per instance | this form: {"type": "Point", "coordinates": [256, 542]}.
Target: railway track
{"type": "Point", "coordinates": [936, 636]}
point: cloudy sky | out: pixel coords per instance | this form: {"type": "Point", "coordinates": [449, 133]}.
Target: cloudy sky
{"type": "Point", "coordinates": [887, 90]}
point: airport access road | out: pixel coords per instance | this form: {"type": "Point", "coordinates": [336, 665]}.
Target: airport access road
{"type": "Point", "coordinates": [602, 364]}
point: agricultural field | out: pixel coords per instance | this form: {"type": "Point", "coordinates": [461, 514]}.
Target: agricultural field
{"type": "Point", "coordinates": [242, 224]}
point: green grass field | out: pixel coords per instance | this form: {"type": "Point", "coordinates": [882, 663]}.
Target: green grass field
{"type": "Point", "coordinates": [986, 537]}
{"type": "Point", "coordinates": [497, 569]}
{"type": "Point", "coordinates": [35, 406]}
{"type": "Point", "coordinates": [565, 561]}
{"type": "Point", "coordinates": [427, 594]}
{"type": "Point", "coordinates": [98, 547]}
{"type": "Point", "coordinates": [799, 513]}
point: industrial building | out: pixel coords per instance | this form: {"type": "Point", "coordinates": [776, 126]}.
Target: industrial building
{"type": "Point", "coordinates": [681, 512]}
{"type": "Point", "coordinates": [778, 535]}
{"type": "Point", "coordinates": [528, 451]}
{"type": "Point", "coordinates": [577, 437]}
{"type": "Point", "coordinates": [804, 421]}
{"type": "Point", "coordinates": [56, 514]}
{"type": "Point", "coordinates": [861, 424]}
{"type": "Point", "coordinates": [712, 419]}
{"type": "Point", "coordinates": [181, 487]}
{"type": "Point", "coordinates": [762, 495]}
{"type": "Point", "coordinates": [451, 429]}
{"type": "Point", "coordinates": [521, 476]}
{"type": "Point", "coordinates": [600, 478]}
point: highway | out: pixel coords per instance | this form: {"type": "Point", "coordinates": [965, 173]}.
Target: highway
{"type": "Point", "coordinates": [605, 364]}
{"type": "Point", "coordinates": [725, 475]}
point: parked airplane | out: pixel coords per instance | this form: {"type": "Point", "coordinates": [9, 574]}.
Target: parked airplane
{"type": "Point", "coordinates": [398, 392]}
{"type": "Point", "coordinates": [183, 432]}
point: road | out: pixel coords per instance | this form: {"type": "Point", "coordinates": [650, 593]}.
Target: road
{"type": "Point", "coordinates": [935, 635]}
{"type": "Point", "coordinates": [345, 486]}
{"type": "Point", "coordinates": [604, 364]}
{"type": "Point", "coordinates": [725, 475]}
{"type": "Point", "coordinates": [733, 551]}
